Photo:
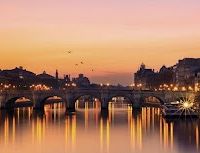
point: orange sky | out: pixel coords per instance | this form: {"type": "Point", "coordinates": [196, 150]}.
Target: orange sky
{"type": "Point", "coordinates": [112, 37]}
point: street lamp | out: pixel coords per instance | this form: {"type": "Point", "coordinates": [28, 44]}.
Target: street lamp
{"type": "Point", "coordinates": [183, 88]}
{"type": "Point", "coordinates": [190, 88]}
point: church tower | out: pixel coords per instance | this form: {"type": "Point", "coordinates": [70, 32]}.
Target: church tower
{"type": "Point", "coordinates": [56, 74]}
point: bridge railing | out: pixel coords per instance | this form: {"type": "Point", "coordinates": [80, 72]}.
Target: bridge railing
{"type": "Point", "coordinates": [109, 88]}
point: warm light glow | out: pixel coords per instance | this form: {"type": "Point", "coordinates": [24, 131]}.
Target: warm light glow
{"type": "Point", "coordinates": [190, 88]}
{"type": "Point", "coordinates": [132, 85]}
{"type": "Point", "coordinates": [183, 88]}
{"type": "Point", "coordinates": [7, 87]}
{"type": "Point", "coordinates": [74, 84]}
{"type": "Point", "coordinates": [197, 87]}
{"type": "Point", "coordinates": [40, 87]}
{"type": "Point", "coordinates": [186, 105]}
{"type": "Point", "coordinates": [175, 89]}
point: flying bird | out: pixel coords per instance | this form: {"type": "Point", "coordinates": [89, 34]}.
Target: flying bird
{"type": "Point", "coordinates": [82, 63]}
{"type": "Point", "coordinates": [76, 64]}
{"type": "Point", "coordinates": [69, 52]}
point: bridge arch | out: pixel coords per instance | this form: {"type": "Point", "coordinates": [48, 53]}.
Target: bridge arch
{"type": "Point", "coordinates": [72, 99]}
{"type": "Point", "coordinates": [42, 101]}
{"type": "Point", "coordinates": [127, 96]}
{"type": "Point", "coordinates": [87, 99]}
{"type": "Point", "coordinates": [76, 97]}
{"type": "Point", "coordinates": [18, 101]}
{"type": "Point", "coordinates": [91, 95]}
{"type": "Point", "coordinates": [158, 98]}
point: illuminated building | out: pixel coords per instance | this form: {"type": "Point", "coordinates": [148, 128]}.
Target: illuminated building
{"type": "Point", "coordinates": [185, 71]}
{"type": "Point", "coordinates": [144, 77]}
{"type": "Point", "coordinates": [150, 79]}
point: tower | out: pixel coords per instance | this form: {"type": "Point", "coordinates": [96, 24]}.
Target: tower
{"type": "Point", "coordinates": [143, 66]}
{"type": "Point", "coordinates": [56, 74]}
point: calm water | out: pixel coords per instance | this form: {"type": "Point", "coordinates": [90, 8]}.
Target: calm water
{"type": "Point", "coordinates": [89, 130]}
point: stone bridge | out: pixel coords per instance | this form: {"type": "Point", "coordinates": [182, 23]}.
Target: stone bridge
{"type": "Point", "coordinates": [69, 96]}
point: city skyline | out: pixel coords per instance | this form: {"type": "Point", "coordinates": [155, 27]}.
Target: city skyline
{"type": "Point", "coordinates": [184, 72]}
{"type": "Point", "coordinates": [112, 38]}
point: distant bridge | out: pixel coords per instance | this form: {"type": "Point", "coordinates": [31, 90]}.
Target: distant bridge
{"type": "Point", "coordinates": [38, 99]}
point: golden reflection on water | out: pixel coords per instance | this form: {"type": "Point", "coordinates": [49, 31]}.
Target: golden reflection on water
{"type": "Point", "coordinates": [136, 133]}
{"type": "Point", "coordinates": [40, 130]}
{"type": "Point", "coordinates": [13, 130]}
{"type": "Point", "coordinates": [104, 135]}
{"type": "Point", "coordinates": [101, 134]}
{"type": "Point", "coordinates": [136, 128]}
{"type": "Point", "coordinates": [70, 132]}
{"type": "Point", "coordinates": [6, 130]}
{"type": "Point", "coordinates": [167, 133]}
{"type": "Point", "coordinates": [197, 137]}
{"type": "Point", "coordinates": [86, 115]}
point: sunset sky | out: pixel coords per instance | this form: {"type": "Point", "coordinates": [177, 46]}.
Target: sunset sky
{"type": "Point", "coordinates": [113, 37]}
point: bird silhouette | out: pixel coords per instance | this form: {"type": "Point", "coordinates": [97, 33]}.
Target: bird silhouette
{"type": "Point", "coordinates": [69, 52]}
{"type": "Point", "coordinates": [82, 63]}
{"type": "Point", "coordinates": [76, 64]}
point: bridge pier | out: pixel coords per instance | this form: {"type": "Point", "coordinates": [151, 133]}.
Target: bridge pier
{"type": "Point", "coordinates": [71, 108]}
{"type": "Point", "coordinates": [38, 112]}
{"type": "Point", "coordinates": [136, 106]}
{"type": "Point", "coordinates": [137, 102]}
{"type": "Point", "coordinates": [104, 102]}
{"type": "Point", "coordinates": [104, 105]}
{"type": "Point", "coordinates": [37, 104]}
{"type": "Point", "coordinates": [70, 104]}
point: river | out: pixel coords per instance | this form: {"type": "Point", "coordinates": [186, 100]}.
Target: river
{"type": "Point", "coordinates": [90, 130]}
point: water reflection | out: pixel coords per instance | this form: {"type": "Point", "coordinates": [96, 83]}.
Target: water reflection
{"type": "Point", "coordinates": [120, 129]}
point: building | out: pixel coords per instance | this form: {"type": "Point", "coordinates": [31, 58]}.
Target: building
{"type": "Point", "coordinates": [67, 78]}
{"type": "Point", "coordinates": [166, 75]}
{"type": "Point", "coordinates": [197, 80]}
{"type": "Point", "coordinates": [186, 71]}
{"type": "Point", "coordinates": [48, 79]}
{"type": "Point", "coordinates": [21, 78]}
{"type": "Point", "coordinates": [18, 76]}
{"type": "Point", "coordinates": [45, 76]}
{"type": "Point", "coordinates": [149, 79]}
{"type": "Point", "coordinates": [19, 73]}
{"type": "Point", "coordinates": [144, 77]}
{"type": "Point", "coordinates": [81, 81]}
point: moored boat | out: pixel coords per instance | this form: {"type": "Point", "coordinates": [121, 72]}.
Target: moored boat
{"type": "Point", "coordinates": [180, 109]}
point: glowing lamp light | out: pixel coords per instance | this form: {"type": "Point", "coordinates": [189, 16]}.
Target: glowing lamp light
{"type": "Point", "coordinates": [186, 105]}
{"type": "Point", "coordinates": [190, 88]}
{"type": "Point", "coordinates": [183, 89]}
{"type": "Point", "coordinates": [74, 84]}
